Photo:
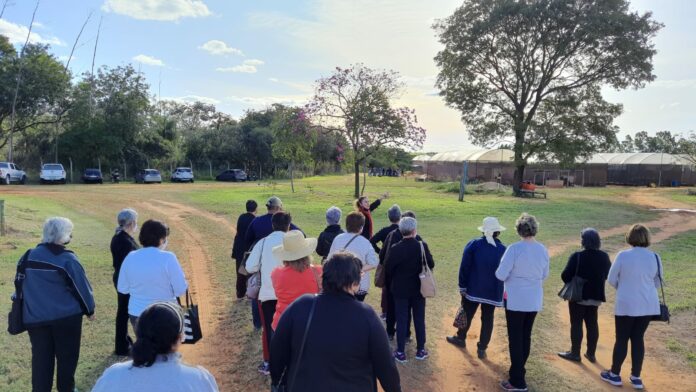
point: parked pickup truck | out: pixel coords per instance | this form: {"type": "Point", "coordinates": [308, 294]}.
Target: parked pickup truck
{"type": "Point", "coordinates": [52, 172]}
{"type": "Point", "coordinates": [9, 173]}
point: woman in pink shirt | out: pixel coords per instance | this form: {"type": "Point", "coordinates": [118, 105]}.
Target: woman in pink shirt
{"type": "Point", "coordinates": [297, 276]}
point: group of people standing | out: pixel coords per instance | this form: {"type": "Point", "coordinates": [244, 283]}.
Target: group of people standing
{"type": "Point", "coordinates": [491, 275]}
{"type": "Point", "coordinates": [302, 306]}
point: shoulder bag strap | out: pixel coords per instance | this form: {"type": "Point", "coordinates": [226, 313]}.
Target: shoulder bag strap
{"type": "Point", "coordinates": [263, 242]}
{"type": "Point", "coordinates": [659, 275]}
{"type": "Point", "coordinates": [351, 240]}
{"type": "Point", "coordinates": [21, 273]}
{"type": "Point", "coordinates": [304, 340]}
{"type": "Point", "coordinates": [423, 259]}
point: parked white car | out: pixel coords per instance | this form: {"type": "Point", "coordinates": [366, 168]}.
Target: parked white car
{"type": "Point", "coordinates": [9, 173]}
{"type": "Point", "coordinates": [182, 174]}
{"type": "Point", "coordinates": [52, 172]}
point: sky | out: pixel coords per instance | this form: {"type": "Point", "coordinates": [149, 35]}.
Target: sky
{"type": "Point", "coordinates": [248, 54]}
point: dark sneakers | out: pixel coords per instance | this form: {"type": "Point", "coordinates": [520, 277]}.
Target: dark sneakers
{"type": "Point", "coordinates": [506, 386]}
{"type": "Point", "coordinates": [568, 355]}
{"type": "Point", "coordinates": [590, 358]}
{"type": "Point", "coordinates": [457, 341]}
{"type": "Point", "coordinates": [481, 353]}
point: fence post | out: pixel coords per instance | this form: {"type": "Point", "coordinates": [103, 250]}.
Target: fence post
{"type": "Point", "coordinates": [462, 182]}
{"type": "Point", "coordinates": [124, 169]}
{"type": "Point", "coordinates": [2, 217]}
{"type": "Point", "coordinates": [210, 168]}
{"type": "Point", "coordinates": [71, 177]}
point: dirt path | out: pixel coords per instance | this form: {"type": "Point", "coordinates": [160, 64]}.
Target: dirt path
{"type": "Point", "coordinates": [216, 347]}
{"type": "Point", "coordinates": [461, 370]}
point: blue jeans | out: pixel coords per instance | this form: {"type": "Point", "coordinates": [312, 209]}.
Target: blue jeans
{"type": "Point", "coordinates": [255, 317]}
{"type": "Point", "coordinates": [404, 307]}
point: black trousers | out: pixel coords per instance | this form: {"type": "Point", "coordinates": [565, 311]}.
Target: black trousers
{"type": "Point", "coordinates": [404, 308]}
{"type": "Point", "coordinates": [55, 345]}
{"type": "Point", "coordinates": [633, 329]}
{"type": "Point", "coordinates": [121, 337]}
{"type": "Point", "coordinates": [391, 315]}
{"type": "Point", "coordinates": [519, 327]}
{"type": "Point", "coordinates": [578, 315]}
{"type": "Point", "coordinates": [241, 280]}
{"type": "Point", "coordinates": [267, 311]}
{"type": "Point", "coordinates": [487, 311]}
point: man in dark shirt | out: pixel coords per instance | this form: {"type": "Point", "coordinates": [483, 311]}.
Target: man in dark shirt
{"type": "Point", "coordinates": [238, 249]}
{"type": "Point", "coordinates": [261, 226]}
{"type": "Point", "coordinates": [394, 215]}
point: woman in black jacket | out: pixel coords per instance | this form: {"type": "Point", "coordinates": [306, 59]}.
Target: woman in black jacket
{"type": "Point", "coordinates": [332, 342]}
{"type": "Point", "coordinates": [593, 265]}
{"type": "Point", "coordinates": [123, 243]}
{"type": "Point", "coordinates": [404, 265]}
{"type": "Point", "coordinates": [333, 229]}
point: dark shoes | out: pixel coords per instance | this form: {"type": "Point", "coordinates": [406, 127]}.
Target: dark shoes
{"type": "Point", "coordinates": [481, 353]}
{"type": "Point", "coordinates": [590, 358]}
{"type": "Point", "coordinates": [457, 341]}
{"type": "Point", "coordinates": [570, 356]}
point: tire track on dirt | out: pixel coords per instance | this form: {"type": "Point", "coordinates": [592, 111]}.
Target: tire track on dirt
{"type": "Point", "coordinates": [461, 370]}
{"type": "Point", "coordinates": [216, 347]}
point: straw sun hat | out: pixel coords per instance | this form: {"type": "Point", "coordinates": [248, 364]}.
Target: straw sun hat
{"type": "Point", "coordinates": [295, 246]}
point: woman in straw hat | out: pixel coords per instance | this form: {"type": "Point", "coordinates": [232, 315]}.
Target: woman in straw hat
{"type": "Point", "coordinates": [297, 276]}
{"type": "Point", "coordinates": [478, 285]}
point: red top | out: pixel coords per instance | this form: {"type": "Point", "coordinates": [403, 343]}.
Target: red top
{"type": "Point", "coordinates": [289, 284]}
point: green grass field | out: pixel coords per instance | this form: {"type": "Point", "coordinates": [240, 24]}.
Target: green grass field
{"type": "Point", "coordinates": [444, 223]}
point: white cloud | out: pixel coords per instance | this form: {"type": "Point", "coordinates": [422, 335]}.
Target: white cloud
{"type": "Point", "coordinates": [254, 62]}
{"type": "Point", "coordinates": [256, 102]}
{"type": "Point", "coordinates": [193, 98]}
{"type": "Point", "coordinates": [297, 86]}
{"type": "Point", "coordinates": [244, 68]}
{"type": "Point", "coordinates": [148, 60]}
{"type": "Point", "coordinates": [669, 105]}
{"type": "Point", "coordinates": [217, 47]}
{"type": "Point", "coordinates": [17, 34]}
{"type": "Point", "coordinates": [680, 83]}
{"type": "Point", "coordinates": [161, 10]}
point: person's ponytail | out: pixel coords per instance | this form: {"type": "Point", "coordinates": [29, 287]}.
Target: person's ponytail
{"type": "Point", "coordinates": [144, 352]}
{"type": "Point", "coordinates": [157, 330]}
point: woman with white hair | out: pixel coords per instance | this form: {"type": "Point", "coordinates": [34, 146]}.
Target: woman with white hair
{"type": "Point", "coordinates": [332, 230]}
{"type": "Point", "coordinates": [122, 244]}
{"type": "Point", "coordinates": [56, 295]}
{"type": "Point", "coordinates": [523, 269]}
{"type": "Point", "coordinates": [404, 265]}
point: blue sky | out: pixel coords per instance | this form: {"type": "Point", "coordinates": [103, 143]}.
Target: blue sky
{"type": "Point", "coordinates": [241, 54]}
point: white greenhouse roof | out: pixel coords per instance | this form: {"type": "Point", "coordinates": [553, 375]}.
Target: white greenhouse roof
{"type": "Point", "coordinates": [474, 155]}
{"type": "Point", "coordinates": [421, 158]}
{"type": "Point", "coordinates": [638, 158]}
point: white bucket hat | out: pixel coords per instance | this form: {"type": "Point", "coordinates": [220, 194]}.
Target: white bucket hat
{"type": "Point", "coordinates": [295, 246]}
{"type": "Point", "coordinates": [490, 226]}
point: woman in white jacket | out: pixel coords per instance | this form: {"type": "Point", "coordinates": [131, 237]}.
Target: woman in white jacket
{"type": "Point", "coordinates": [355, 243]}
{"type": "Point", "coordinates": [262, 258]}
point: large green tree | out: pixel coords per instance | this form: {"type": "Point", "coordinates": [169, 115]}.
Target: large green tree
{"type": "Point", "coordinates": [44, 84]}
{"type": "Point", "coordinates": [530, 72]}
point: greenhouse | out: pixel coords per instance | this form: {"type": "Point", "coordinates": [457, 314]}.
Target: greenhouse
{"type": "Point", "coordinates": [481, 165]}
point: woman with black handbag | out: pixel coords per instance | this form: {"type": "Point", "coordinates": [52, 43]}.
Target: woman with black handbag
{"type": "Point", "coordinates": [591, 265]}
{"type": "Point", "coordinates": [635, 273]}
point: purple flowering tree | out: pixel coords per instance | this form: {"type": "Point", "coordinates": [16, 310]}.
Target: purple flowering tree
{"type": "Point", "coordinates": [355, 103]}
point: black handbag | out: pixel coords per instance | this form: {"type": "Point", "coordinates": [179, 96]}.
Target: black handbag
{"type": "Point", "coordinates": [15, 318]}
{"type": "Point", "coordinates": [664, 310]}
{"type": "Point", "coordinates": [192, 322]}
{"type": "Point", "coordinates": [572, 291]}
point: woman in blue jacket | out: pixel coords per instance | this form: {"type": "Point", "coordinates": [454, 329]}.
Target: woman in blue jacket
{"type": "Point", "coordinates": [478, 284]}
{"type": "Point", "coordinates": [56, 296]}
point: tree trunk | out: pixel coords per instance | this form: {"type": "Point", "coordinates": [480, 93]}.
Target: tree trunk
{"type": "Point", "coordinates": [292, 179]}
{"type": "Point", "coordinates": [357, 179]}
{"type": "Point", "coordinates": [520, 131]}
{"type": "Point", "coordinates": [362, 191]}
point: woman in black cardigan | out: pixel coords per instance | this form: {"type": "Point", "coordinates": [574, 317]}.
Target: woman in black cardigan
{"type": "Point", "coordinates": [594, 268]}
{"type": "Point", "coordinates": [123, 243]}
